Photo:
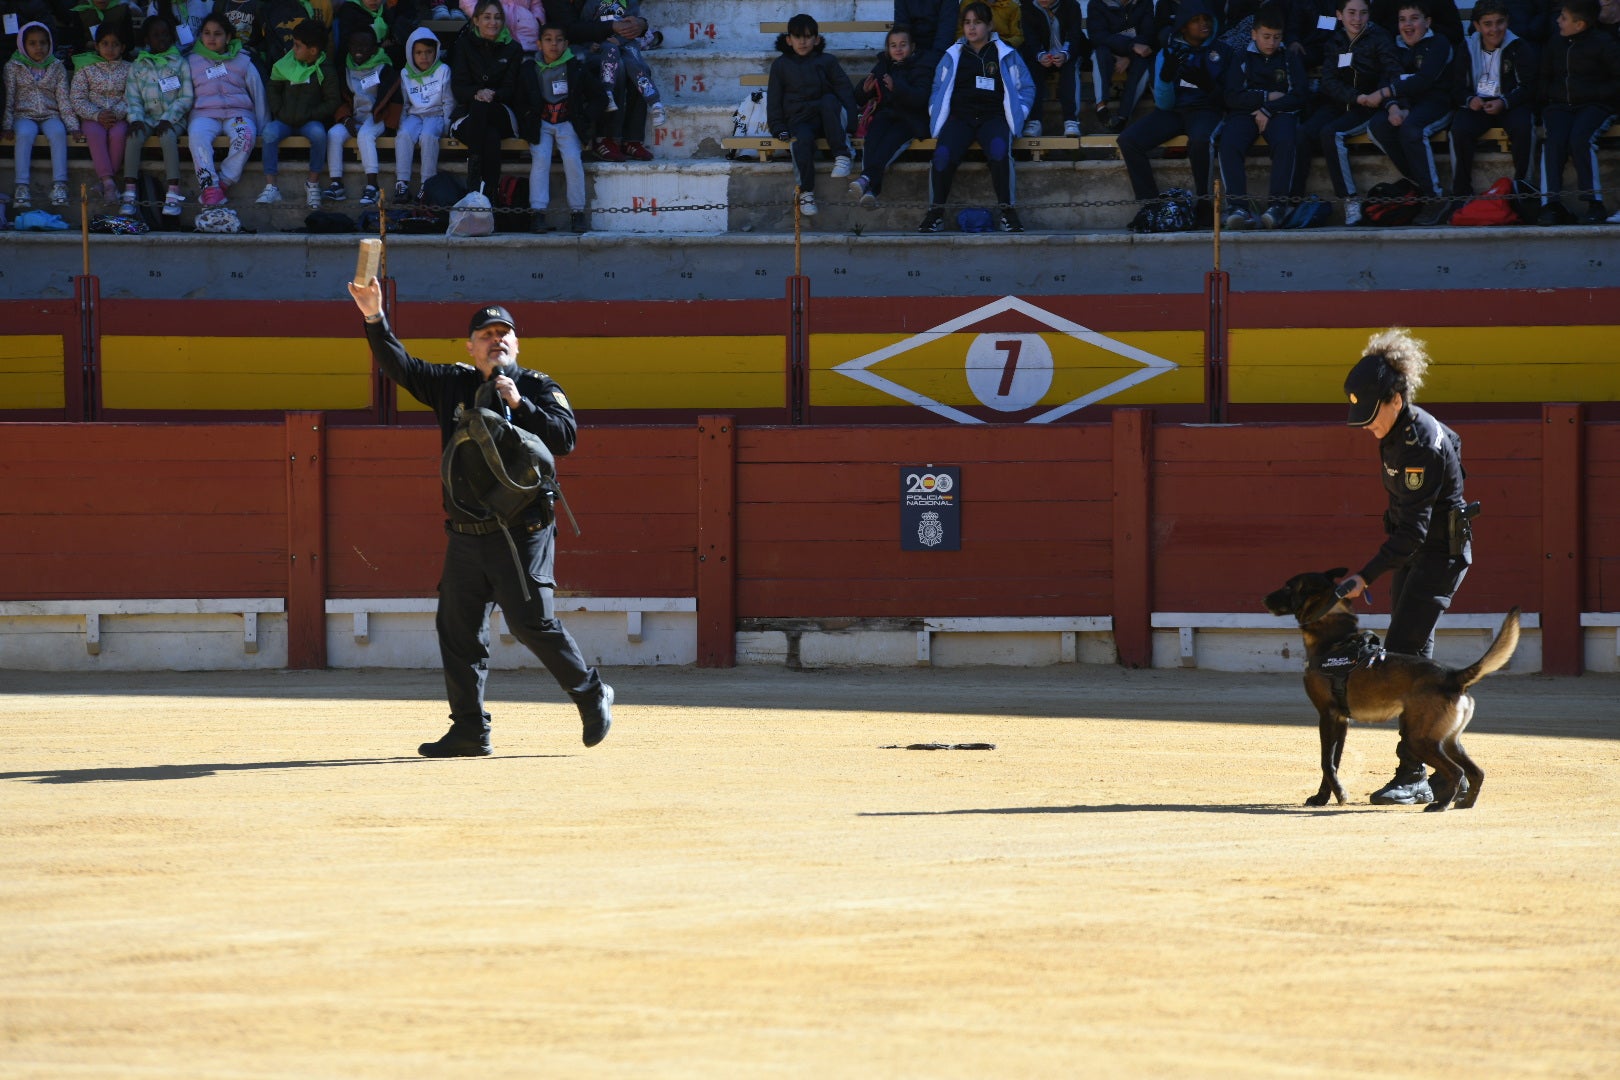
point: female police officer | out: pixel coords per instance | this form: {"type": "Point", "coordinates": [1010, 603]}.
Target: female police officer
{"type": "Point", "coordinates": [1426, 526]}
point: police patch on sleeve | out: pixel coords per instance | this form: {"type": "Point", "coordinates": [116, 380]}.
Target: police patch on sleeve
{"type": "Point", "coordinates": [557, 396]}
{"type": "Point", "coordinates": [1414, 479]}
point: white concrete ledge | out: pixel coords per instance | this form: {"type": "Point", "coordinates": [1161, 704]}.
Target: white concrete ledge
{"type": "Point", "coordinates": [1067, 626]}
{"type": "Point", "coordinates": [1188, 623]}
{"type": "Point", "coordinates": [92, 610]}
{"type": "Point", "coordinates": [633, 607]}
{"type": "Point", "coordinates": [1601, 620]}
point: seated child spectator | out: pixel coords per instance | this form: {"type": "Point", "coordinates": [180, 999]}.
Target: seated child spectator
{"type": "Point", "coordinates": [186, 16]}
{"type": "Point", "coordinates": [1265, 88]}
{"type": "Point", "coordinates": [1309, 35]}
{"type": "Point", "coordinates": [621, 61]}
{"type": "Point", "coordinates": [247, 24]}
{"type": "Point", "coordinates": [1418, 104]}
{"type": "Point", "coordinates": [1006, 20]}
{"type": "Point", "coordinates": [899, 82]}
{"type": "Point", "coordinates": [1580, 84]}
{"type": "Point", "coordinates": [1187, 101]}
{"type": "Point", "coordinates": [370, 85]}
{"type": "Point", "coordinates": [304, 93]}
{"type": "Point", "coordinates": [1055, 41]}
{"type": "Point", "coordinates": [555, 92]}
{"type": "Point", "coordinates": [1443, 17]}
{"type": "Point", "coordinates": [982, 93]}
{"type": "Point", "coordinates": [1499, 92]}
{"type": "Point", "coordinates": [484, 80]}
{"type": "Point", "coordinates": [80, 26]}
{"type": "Point", "coordinates": [158, 99]}
{"type": "Point", "coordinates": [1359, 62]}
{"type": "Point", "coordinates": [37, 104]}
{"type": "Point", "coordinates": [230, 102]}
{"type": "Point", "coordinates": [280, 16]}
{"type": "Point", "coordinates": [620, 129]}
{"type": "Point", "coordinates": [521, 22]}
{"type": "Point", "coordinates": [809, 97]}
{"type": "Point", "coordinates": [1122, 36]}
{"type": "Point", "coordinates": [932, 24]}
{"type": "Point", "coordinates": [426, 116]}
{"type": "Point", "coordinates": [377, 16]}
{"type": "Point", "coordinates": [98, 100]}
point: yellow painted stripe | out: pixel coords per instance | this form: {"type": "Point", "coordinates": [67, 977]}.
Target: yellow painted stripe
{"type": "Point", "coordinates": [937, 368]}
{"type": "Point", "coordinates": [31, 371]}
{"type": "Point", "coordinates": [644, 372]}
{"type": "Point", "coordinates": [1470, 364]}
{"type": "Point", "coordinates": [143, 372]}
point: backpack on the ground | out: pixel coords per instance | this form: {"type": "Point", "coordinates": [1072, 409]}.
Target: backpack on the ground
{"type": "Point", "coordinates": [1312, 212]}
{"type": "Point", "coordinates": [1394, 202]}
{"type": "Point", "coordinates": [1495, 207]}
{"type": "Point", "coordinates": [513, 198]}
{"type": "Point", "coordinates": [440, 192]}
{"type": "Point", "coordinates": [217, 219]}
{"type": "Point", "coordinates": [1172, 211]}
{"type": "Point", "coordinates": [750, 120]}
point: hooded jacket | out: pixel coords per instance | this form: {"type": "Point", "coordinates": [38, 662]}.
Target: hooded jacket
{"type": "Point", "coordinates": [1516, 73]}
{"type": "Point", "coordinates": [555, 93]}
{"type": "Point", "coordinates": [1583, 69]}
{"type": "Point", "coordinates": [1252, 76]}
{"type": "Point", "coordinates": [429, 94]}
{"type": "Point", "coordinates": [37, 93]}
{"type": "Point", "coordinates": [908, 101]}
{"type": "Point", "coordinates": [798, 83]}
{"type": "Point", "coordinates": [1427, 71]}
{"type": "Point", "coordinates": [1186, 76]}
{"type": "Point", "coordinates": [1119, 27]}
{"type": "Point", "coordinates": [1017, 87]}
{"type": "Point", "coordinates": [1373, 65]}
{"type": "Point", "coordinates": [159, 89]}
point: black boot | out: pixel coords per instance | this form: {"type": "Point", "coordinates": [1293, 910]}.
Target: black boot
{"type": "Point", "coordinates": [462, 740]}
{"type": "Point", "coordinates": [596, 714]}
{"type": "Point", "coordinates": [1409, 787]}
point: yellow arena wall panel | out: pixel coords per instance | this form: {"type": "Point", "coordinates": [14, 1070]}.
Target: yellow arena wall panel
{"type": "Point", "coordinates": [31, 371]}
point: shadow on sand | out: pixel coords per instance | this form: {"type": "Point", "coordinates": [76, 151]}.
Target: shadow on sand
{"type": "Point", "coordinates": [193, 772]}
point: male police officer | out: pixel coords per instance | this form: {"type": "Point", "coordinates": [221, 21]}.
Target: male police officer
{"type": "Point", "coordinates": [479, 566]}
{"type": "Point", "coordinates": [1426, 525]}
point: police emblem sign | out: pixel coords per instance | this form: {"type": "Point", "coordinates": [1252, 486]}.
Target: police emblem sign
{"type": "Point", "coordinates": [930, 508]}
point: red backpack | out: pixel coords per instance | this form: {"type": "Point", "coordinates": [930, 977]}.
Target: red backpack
{"type": "Point", "coordinates": [1495, 207]}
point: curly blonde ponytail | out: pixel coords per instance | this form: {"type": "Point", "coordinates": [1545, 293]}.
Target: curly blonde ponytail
{"type": "Point", "coordinates": [1406, 356]}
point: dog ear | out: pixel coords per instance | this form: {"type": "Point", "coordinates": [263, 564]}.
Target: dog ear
{"type": "Point", "coordinates": [1337, 574]}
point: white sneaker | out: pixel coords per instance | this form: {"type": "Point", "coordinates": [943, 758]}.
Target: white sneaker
{"type": "Point", "coordinates": [1032, 129]}
{"type": "Point", "coordinates": [59, 194]}
{"type": "Point", "coordinates": [1614, 218]}
{"type": "Point", "coordinates": [22, 198]}
{"type": "Point", "coordinates": [1352, 212]}
{"type": "Point", "coordinates": [1071, 128]}
{"type": "Point", "coordinates": [840, 168]}
{"type": "Point", "coordinates": [807, 203]}
{"type": "Point", "coordinates": [269, 196]}
{"type": "Point", "coordinates": [312, 194]}
{"type": "Point", "coordinates": [171, 204]}
{"type": "Point", "coordinates": [658, 115]}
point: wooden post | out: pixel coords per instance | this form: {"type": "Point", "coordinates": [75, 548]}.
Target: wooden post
{"type": "Point", "coordinates": [81, 352]}
{"type": "Point", "coordinates": [1216, 284]}
{"type": "Point", "coordinates": [717, 542]}
{"type": "Point", "coordinates": [798, 349]}
{"type": "Point", "coordinates": [1563, 440]}
{"type": "Point", "coordinates": [1133, 536]}
{"type": "Point", "coordinates": [306, 539]}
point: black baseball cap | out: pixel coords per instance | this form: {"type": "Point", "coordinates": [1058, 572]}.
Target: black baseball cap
{"type": "Point", "coordinates": [488, 314]}
{"type": "Point", "coordinates": [1366, 386]}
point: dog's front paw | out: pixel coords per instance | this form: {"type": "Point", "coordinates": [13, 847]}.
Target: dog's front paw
{"type": "Point", "coordinates": [1319, 799]}
{"type": "Point", "coordinates": [1435, 807]}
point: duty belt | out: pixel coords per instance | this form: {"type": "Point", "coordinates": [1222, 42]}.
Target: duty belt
{"type": "Point", "coordinates": [484, 528]}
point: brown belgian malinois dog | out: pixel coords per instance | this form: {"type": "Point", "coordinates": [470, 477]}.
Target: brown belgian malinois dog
{"type": "Point", "coordinates": [1430, 700]}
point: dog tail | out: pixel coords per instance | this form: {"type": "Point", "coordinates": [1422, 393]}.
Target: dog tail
{"type": "Point", "coordinates": [1495, 658]}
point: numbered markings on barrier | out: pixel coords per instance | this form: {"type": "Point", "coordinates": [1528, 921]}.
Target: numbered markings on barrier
{"type": "Point", "coordinates": [691, 84]}
{"type": "Point", "coordinates": [675, 137]}
{"type": "Point", "coordinates": [700, 31]}
{"type": "Point", "coordinates": [1006, 371]}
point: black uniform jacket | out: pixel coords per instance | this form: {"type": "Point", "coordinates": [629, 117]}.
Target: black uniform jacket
{"type": "Point", "coordinates": [1583, 69]}
{"type": "Point", "coordinates": [544, 409]}
{"type": "Point", "coordinates": [1428, 71]}
{"type": "Point", "coordinates": [908, 101]}
{"type": "Point", "coordinates": [1423, 475]}
{"type": "Point", "coordinates": [798, 83]}
{"type": "Point", "coordinates": [1372, 66]}
{"type": "Point", "coordinates": [1518, 74]}
{"type": "Point", "coordinates": [1252, 76]}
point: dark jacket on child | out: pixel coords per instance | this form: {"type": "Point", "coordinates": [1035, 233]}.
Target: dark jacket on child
{"type": "Point", "coordinates": [798, 83]}
{"type": "Point", "coordinates": [1252, 76]}
{"type": "Point", "coordinates": [1307, 27]}
{"type": "Point", "coordinates": [1118, 27]}
{"type": "Point", "coordinates": [296, 104]}
{"type": "Point", "coordinates": [1071, 32]}
{"type": "Point", "coordinates": [1516, 73]}
{"type": "Point", "coordinates": [908, 101]}
{"type": "Point", "coordinates": [1583, 69]}
{"type": "Point", "coordinates": [1428, 71]}
{"type": "Point", "coordinates": [554, 93]}
{"type": "Point", "coordinates": [81, 21]}
{"type": "Point", "coordinates": [352, 15]}
{"type": "Point", "coordinates": [1373, 65]}
{"type": "Point", "coordinates": [1188, 76]}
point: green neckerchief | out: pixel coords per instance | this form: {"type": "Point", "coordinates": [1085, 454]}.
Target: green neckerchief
{"type": "Point", "coordinates": [500, 39]}
{"type": "Point", "coordinates": [87, 6]}
{"type": "Point", "coordinates": [309, 9]}
{"type": "Point", "coordinates": [378, 59]}
{"type": "Point", "coordinates": [379, 25]}
{"type": "Point", "coordinates": [567, 55]}
{"type": "Point", "coordinates": [31, 62]}
{"type": "Point", "coordinates": [231, 50]}
{"type": "Point", "coordinates": [418, 76]}
{"type": "Point", "coordinates": [85, 59]}
{"type": "Point", "coordinates": [288, 69]}
{"type": "Point", "coordinates": [171, 54]}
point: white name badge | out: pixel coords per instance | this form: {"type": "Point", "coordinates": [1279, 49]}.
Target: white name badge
{"type": "Point", "coordinates": [1346, 59]}
{"type": "Point", "coordinates": [169, 84]}
{"type": "Point", "coordinates": [370, 80]}
{"type": "Point", "coordinates": [1487, 87]}
{"type": "Point", "coordinates": [559, 87]}
{"type": "Point", "coordinates": [984, 82]}
{"type": "Point", "coordinates": [1188, 85]}
{"type": "Point", "coordinates": [184, 35]}
{"type": "Point", "coordinates": [215, 72]}
{"type": "Point", "coordinates": [93, 30]}
{"type": "Point", "coordinates": [1326, 22]}
{"type": "Point", "coordinates": [11, 24]}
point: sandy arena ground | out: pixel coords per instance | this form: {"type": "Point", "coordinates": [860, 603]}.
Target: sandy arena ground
{"type": "Point", "coordinates": [252, 875]}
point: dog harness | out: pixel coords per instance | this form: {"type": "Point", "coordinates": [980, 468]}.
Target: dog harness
{"type": "Point", "coordinates": [1361, 650]}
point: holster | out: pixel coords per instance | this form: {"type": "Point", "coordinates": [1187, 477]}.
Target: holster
{"type": "Point", "coordinates": [1459, 524]}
